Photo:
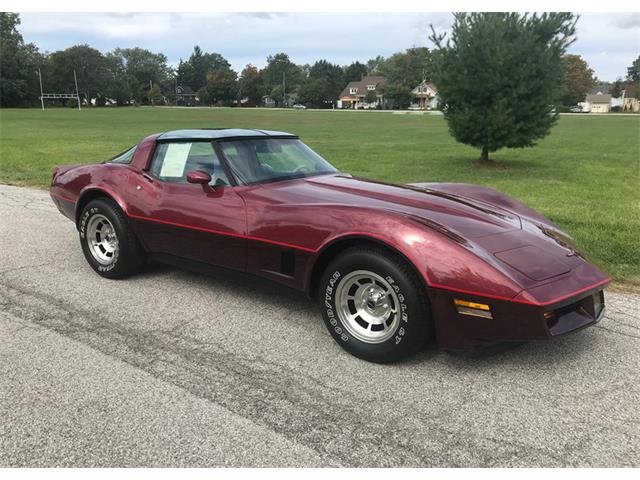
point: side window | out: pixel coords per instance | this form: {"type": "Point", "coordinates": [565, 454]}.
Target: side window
{"type": "Point", "coordinates": [124, 157]}
{"type": "Point", "coordinates": [173, 160]}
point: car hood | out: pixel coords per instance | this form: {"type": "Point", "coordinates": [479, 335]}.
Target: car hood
{"type": "Point", "coordinates": [527, 249]}
{"type": "Point", "coordinates": [462, 216]}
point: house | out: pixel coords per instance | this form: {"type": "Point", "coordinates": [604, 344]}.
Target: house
{"type": "Point", "coordinates": [290, 99]}
{"type": "Point", "coordinates": [597, 103]}
{"type": "Point", "coordinates": [354, 93]}
{"type": "Point", "coordinates": [425, 96]}
{"type": "Point", "coordinates": [186, 96]}
{"type": "Point", "coordinates": [630, 101]}
{"type": "Point", "coordinates": [268, 102]}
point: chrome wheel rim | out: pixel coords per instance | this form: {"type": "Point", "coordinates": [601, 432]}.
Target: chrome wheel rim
{"type": "Point", "coordinates": [368, 306]}
{"type": "Point", "coordinates": [102, 240]}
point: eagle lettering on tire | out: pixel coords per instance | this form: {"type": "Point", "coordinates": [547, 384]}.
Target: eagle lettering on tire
{"type": "Point", "coordinates": [373, 304]}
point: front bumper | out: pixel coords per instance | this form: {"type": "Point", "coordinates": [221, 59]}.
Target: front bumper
{"type": "Point", "coordinates": [577, 315]}
{"type": "Point", "coordinates": [511, 321]}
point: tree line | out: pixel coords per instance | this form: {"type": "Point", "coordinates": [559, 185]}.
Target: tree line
{"type": "Point", "coordinates": [139, 76]}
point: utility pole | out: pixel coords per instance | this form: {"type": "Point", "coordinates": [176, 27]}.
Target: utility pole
{"type": "Point", "coordinates": [284, 89]}
{"type": "Point", "coordinates": [75, 79]}
{"type": "Point", "coordinates": [41, 93]}
{"type": "Point", "coordinates": [150, 96]}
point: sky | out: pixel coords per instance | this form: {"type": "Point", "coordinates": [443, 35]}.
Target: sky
{"type": "Point", "coordinates": [609, 42]}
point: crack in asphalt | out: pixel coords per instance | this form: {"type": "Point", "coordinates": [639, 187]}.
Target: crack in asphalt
{"type": "Point", "coordinates": [617, 332]}
{"type": "Point", "coordinates": [296, 406]}
{"type": "Point", "coordinates": [25, 267]}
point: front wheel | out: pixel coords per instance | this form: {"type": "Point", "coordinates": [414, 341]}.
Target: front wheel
{"type": "Point", "coordinates": [108, 243]}
{"type": "Point", "coordinates": [374, 305]}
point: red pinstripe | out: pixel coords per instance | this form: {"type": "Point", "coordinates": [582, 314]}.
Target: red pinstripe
{"type": "Point", "coordinates": [315, 250]}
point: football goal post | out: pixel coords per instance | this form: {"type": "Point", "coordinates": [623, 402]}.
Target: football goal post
{"type": "Point", "coordinates": [48, 96]}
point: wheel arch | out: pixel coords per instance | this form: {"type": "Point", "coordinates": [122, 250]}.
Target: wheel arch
{"type": "Point", "coordinates": [338, 245]}
{"type": "Point", "coordinates": [92, 193]}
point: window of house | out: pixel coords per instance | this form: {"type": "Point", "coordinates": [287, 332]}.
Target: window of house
{"type": "Point", "coordinates": [173, 160]}
{"type": "Point", "coordinates": [353, 90]}
{"type": "Point", "coordinates": [371, 87]}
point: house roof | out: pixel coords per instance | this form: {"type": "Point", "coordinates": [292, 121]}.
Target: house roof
{"type": "Point", "coordinates": [218, 133]}
{"type": "Point", "coordinates": [598, 98]}
{"type": "Point", "coordinates": [425, 84]}
{"type": "Point", "coordinates": [361, 86]}
{"type": "Point", "coordinates": [185, 90]}
{"type": "Point", "coordinates": [600, 89]}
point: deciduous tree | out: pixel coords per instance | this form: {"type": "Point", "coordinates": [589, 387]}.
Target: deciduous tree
{"type": "Point", "coordinates": [577, 79]}
{"type": "Point", "coordinates": [91, 70]}
{"type": "Point", "coordinates": [280, 67]}
{"type": "Point", "coordinates": [140, 67]}
{"type": "Point", "coordinates": [250, 85]}
{"type": "Point", "coordinates": [397, 94]}
{"type": "Point", "coordinates": [220, 87]}
{"type": "Point", "coordinates": [370, 97]}
{"type": "Point", "coordinates": [19, 62]}
{"type": "Point", "coordinates": [313, 93]}
{"type": "Point", "coordinates": [193, 72]}
{"type": "Point", "coordinates": [407, 68]}
{"type": "Point", "coordinates": [155, 95]}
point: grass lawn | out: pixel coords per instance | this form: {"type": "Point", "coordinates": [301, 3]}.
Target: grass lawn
{"type": "Point", "coordinates": [585, 176]}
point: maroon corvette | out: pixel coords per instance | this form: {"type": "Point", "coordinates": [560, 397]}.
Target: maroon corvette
{"type": "Point", "coordinates": [391, 266]}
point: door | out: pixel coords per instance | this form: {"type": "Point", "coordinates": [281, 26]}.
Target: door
{"type": "Point", "coordinates": [206, 223]}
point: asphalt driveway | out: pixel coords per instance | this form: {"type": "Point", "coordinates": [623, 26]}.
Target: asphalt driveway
{"type": "Point", "coordinates": [172, 368]}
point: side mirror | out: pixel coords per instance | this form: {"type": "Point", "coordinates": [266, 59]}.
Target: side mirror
{"type": "Point", "coordinates": [198, 176]}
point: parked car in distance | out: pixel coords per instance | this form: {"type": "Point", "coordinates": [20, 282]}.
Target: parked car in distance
{"type": "Point", "coordinates": [299, 106]}
{"type": "Point", "coordinates": [577, 109]}
{"type": "Point", "coordinates": [392, 267]}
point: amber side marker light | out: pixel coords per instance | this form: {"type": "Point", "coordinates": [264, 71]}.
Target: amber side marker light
{"type": "Point", "coordinates": [473, 309]}
{"type": "Point", "coordinates": [548, 315]}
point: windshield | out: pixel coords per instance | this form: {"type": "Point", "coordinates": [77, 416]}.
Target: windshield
{"type": "Point", "coordinates": [272, 159]}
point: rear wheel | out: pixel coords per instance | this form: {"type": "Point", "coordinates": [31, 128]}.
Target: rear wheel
{"type": "Point", "coordinates": [108, 243]}
{"type": "Point", "coordinates": [374, 305]}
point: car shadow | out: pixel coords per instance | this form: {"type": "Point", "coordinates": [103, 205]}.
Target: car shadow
{"type": "Point", "coordinates": [241, 282]}
{"type": "Point", "coordinates": [276, 295]}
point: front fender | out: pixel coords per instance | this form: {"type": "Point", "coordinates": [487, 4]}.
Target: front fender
{"type": "Point", "coordinates": [442, 260]}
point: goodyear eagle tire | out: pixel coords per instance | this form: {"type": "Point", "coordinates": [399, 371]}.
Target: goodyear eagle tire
{"type": "Point", "coordinates": [108, 243]}
{"type": "Point", "coordinates": [374, 305]}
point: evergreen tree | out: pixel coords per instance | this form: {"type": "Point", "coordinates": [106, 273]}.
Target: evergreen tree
{"type": "Point", "coordinates": [633, 72]}
{"type": "Point", "coordinates": [328, 81]}
{"type": "Point", "coordinates": [499, 76]}
{"type": "Point", "coordinates": [354, 72]}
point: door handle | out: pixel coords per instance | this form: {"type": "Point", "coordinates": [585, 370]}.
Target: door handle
{"type": "Point", "coordinates": [148, 177]}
